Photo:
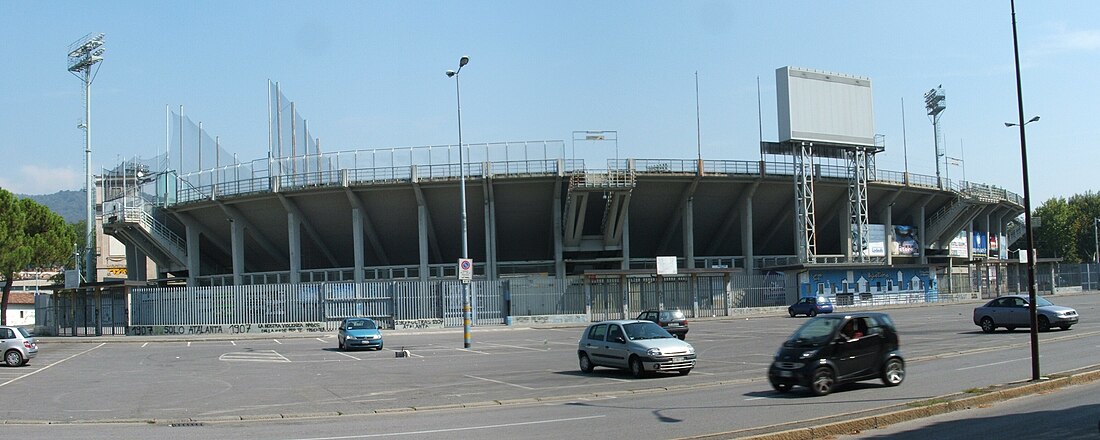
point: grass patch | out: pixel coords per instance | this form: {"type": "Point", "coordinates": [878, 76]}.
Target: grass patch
{"type": "Point", "coordinates": [929, 402]}
{"type": "Point", "coordinates": [976, 390]}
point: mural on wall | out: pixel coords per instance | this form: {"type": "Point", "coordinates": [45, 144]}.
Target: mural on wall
{"type": "Point", "coordinates": [904, 242]}
{"type": "Point", "coordinates": [856, 285]}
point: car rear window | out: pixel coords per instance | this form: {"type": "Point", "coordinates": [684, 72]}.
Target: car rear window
{"type": "Point", "coordinates": [597, 332]}
{"type": "Point", "coordinates": [672, 315]}
{"type": "Point", "coordinates": [23, 332]}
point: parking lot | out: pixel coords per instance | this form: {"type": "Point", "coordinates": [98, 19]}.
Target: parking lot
{"type": "Point", "coordinates": [149, 378]}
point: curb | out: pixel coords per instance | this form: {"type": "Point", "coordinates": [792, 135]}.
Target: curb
{"type": "Point", "coordinates": [910, 411]}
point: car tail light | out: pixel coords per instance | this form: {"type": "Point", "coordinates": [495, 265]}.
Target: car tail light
{"type": "Point", "coordinates": [28, 344]}
{"type": "Point", "coordinates": [685, 322]}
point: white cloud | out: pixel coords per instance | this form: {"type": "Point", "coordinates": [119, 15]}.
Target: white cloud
{"type": "Point", "coordinates": [1062, 40]}
{"type": "Point", "coordinates": [35, 179]}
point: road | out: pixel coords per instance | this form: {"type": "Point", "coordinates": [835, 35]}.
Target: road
{"type": "Point", "coordinates": [1067, 414]}
{"type": "Point", "coordinates": [513, 383]}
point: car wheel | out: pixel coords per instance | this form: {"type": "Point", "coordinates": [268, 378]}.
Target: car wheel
{"type": "Point", "coordinates": [681, 336]}
{"type": "Point", "coordinates": [685, 371]}
{"type": "Point", "coordinates": [791, 311]}
{"type": "Point", "coordinates": [812, 313]}
{"type": "Point", "coordinates": [823, 382]}
{"type": "Point", "coordinates": [13, 358]}
{"type": "Point", "coordinates": [586, 363]}
{"type": "Point", "coordinates": [987, 325]}
{"type": "Point", "coordinates": [781, 387]}
{"type": "Point", "coordinates": [893, 373]}
{"type": "Point", "coordinates": [379, 346]}
{"type": "Point", "coordinates": [1044, 324]}
{"type": "Point", "coordinates": [636, 368]}
{"type": "Point", "coordinates": [340, 345]}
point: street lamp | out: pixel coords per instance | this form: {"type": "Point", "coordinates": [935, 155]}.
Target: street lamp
{"type": "Point", "coordinates": [1031, 287]}
{"type": "Point", "coordinates": [466, 314]}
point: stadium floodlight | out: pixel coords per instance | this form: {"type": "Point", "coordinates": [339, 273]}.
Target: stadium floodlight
{"type": "Point", "coordinates": [83, 54]}
{"type": "Point", "coordinates": [466, 312]}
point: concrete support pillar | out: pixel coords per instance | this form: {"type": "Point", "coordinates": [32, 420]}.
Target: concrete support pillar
{"type": "Point", "coordinates": [490, 231]}
{"type": "Point", "coordinates": [294, 245]}
{"type": "Point", "coordinates": [193, 261]}
{"type": "Point", "coordinates": [137, 264]}
{"type": "Point", "coordinates": [236, 239]}
{"type": "Point", "coordinates": [747, 235]}
{"type": "Point", "coordinates": [557, 233]}
{"type": "Point", "coordinates": [422, 239]}
{"type": "Point", "coordinates": [357, 240]}
{"type": "Point", "coordinates": [846, 232]}
{"type": "Point", "coordinates": [923, 246]}
{"type": "Point", "coordinates": [689, 233]}
{"type": "Point", "coordinates": [888, 219]}
{"type": "Point", "coordinates": [626, 243]}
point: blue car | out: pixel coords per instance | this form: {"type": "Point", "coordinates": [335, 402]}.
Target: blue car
{"type": "Point", "coordinates": [359, 333]}
{"type": "Point", "coordinates": [811, 306]}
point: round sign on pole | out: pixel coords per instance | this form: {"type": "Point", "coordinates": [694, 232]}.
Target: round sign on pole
{"type": "Point", "coordinates": [465, 269]}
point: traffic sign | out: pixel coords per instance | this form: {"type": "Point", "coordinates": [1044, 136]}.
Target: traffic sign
{"type": "Point", "coordinates": [465, 269]}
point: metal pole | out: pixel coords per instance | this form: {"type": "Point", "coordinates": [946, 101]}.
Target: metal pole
{"type": "Point", "coordinates": [466, 312]}
{"type": "Point", "coordinates": [1031, 287]}
{"type": "Point", "coordinates": [698, 126]}
{"type": "Point", "coordinates": [89, 218]}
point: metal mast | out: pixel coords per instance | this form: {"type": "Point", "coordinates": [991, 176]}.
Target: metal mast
{"type": "Point", "coordinates": [936, 103]}
{"type": "Point", "coordinates": [83, 54]}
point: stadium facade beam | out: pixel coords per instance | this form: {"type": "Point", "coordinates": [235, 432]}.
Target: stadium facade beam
{"type": "Point", "coordinates": [368, 227]}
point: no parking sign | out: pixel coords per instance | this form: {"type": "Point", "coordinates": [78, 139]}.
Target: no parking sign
{"type": "Point", "coordinates": [465, 269]}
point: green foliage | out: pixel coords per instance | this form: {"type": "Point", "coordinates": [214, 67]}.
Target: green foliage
{"type": "Point", "coordinates": [1056, 238]}
{"type": "Point", "coordinates": [31, 236]}
{"type": "Point", "coordinates": [1087, 207]}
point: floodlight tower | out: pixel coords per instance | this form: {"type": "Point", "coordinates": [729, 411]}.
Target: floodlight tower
{"type": "Point", "coordinates": [936, 103]}
{"type": "Point", "coordinates": [83, 54]}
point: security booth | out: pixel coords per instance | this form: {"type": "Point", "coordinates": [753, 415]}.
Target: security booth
{"type": "Point", "coordinates": [92, 309]}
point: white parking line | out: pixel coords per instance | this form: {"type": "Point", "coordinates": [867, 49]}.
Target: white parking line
{"type": "Point", "coordinates": [50, 365]}
{"type": "Point", "coordinates": [471, 351]}
{"type": "Point", "coordinates": [990, 365]}
{"type": "Point", "coordinates": [439, 431]}
{"type": "Point", "coordinates": [348, 355]}
{"type": "Point", "coordinates": [322, 340]}
{"type": "Point", "coordinates": [143, 345]}
{"type": "Point", "coordinates": [500, 382]}
{"type": "Point", "coordinates": [514, 346]}
{"type": "Point", "coordinates": [277, 341]}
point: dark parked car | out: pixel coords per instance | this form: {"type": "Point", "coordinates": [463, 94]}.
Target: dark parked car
{"type": "Point", "coordinates": [359, 333]}
{"type": "Point", "coordinates": [673, 321]}
{"type": "Point", "coordinates": [1012, 311]}
{"type": "Point", "coordinates": [811, 306]}
{"type": "Point", "coordinates": [830, 350]}
{"type": "Point", "coordinates": [640, 346]}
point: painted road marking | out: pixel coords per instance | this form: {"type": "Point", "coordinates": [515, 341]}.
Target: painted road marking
{"type": "Point", "coordinates": [515, 346]}
{"type": "Point", "coordinates": [990, 365]}
{"type": "Point", "coordinates": [499, 381]}
{"type": "Point", "coordinates": [50, 365]}
{"type": "Point", "coordinates": [348, 355]}
{"type": "Point", "coordinates": [254, 356]}
{"type": "Point", "coordinates": [468, 428]}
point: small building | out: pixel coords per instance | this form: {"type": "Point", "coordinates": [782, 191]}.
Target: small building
{"type": "Point", "coordinates": [20, 308]}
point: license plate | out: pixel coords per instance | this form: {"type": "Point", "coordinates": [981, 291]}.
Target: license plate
{"type": "Point", "coordinates": [677, 359]}
{"type": "Point", "coordinates": [784, 374]}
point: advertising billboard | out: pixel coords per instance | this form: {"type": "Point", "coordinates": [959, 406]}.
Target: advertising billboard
{"type": "Point", "coordinates": [824, 107]}
{"type": "Point", "coordinates": [1004, 247]}
{"type": "Point", "coordinates": [980, 246]}
{"type": "Point", "coordinates": [994, 251]}
{"type": "Point", "coordinates": [904, 242]}
{"type": "Point", "coordinates": [958, 247]}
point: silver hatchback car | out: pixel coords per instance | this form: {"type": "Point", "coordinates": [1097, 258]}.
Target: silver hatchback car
{"type": "Point", "coordinates": [17, 345]}
{"type": "Point", "coordinates": [640, 346]}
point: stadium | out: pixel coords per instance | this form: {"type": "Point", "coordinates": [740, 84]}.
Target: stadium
{"type": "Point", "coordinates": [302, 238]}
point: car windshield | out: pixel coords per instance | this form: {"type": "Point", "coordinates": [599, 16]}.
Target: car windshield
{"type": "Point", "coordinates": [822, 300]}
{"type": "Point", "coordinates": [645, 330]}
{"type": "Point", "coordinates": [1042, 302]}
{"type": "Point", "coordinates": [814, 332]}
{"type": "Point", "coordinates": [361, 324]}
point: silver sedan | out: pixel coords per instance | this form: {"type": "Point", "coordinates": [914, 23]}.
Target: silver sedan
{"type": "Point", "coordinates": [1011, 311]}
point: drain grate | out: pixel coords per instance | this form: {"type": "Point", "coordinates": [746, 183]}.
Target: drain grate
{"type": "Point", "coordinates": [185, 424]}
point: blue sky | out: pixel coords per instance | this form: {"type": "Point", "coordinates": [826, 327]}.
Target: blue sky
{"type": "Point", "coordinates": [371, 75]}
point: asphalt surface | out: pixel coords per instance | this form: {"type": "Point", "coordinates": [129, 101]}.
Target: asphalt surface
{"type": "Point", "coordinates": [292, 385]}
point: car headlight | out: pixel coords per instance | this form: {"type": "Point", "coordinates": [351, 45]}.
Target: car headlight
{"type": "Point", "coordinates": [653, 352]}
{"type": "Point", "coordinates": [346, 337]}
{"type": "Point", "coordinates": [807, 354]}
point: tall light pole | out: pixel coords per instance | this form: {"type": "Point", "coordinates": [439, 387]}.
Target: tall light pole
{"type": "Point", "coordinates": [1031, 287]}
{"type": "Point", "coordinates": [83, 54]}
{"type": "Point", "coordinates": [466, 312]}
{"type": "Point", "coordinates": [1095, 240]}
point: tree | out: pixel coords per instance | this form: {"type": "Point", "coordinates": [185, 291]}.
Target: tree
{"type": "Point", "coordinates": [1087, 207]}
{"type": "Point", "coordinates": [31, 236]}
{"type": "Point", "coordinates": [1057, 236]}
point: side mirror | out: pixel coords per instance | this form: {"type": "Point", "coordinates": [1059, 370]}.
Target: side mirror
{"type": "Point", "coordinates": [620, 339]}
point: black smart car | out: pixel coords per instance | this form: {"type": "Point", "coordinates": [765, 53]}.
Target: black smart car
{"type": "Point", "coordinates": [827, 351]}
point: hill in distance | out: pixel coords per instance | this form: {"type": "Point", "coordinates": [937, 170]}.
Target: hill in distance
{"type": "Point", "coordinates": [68, 204]}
